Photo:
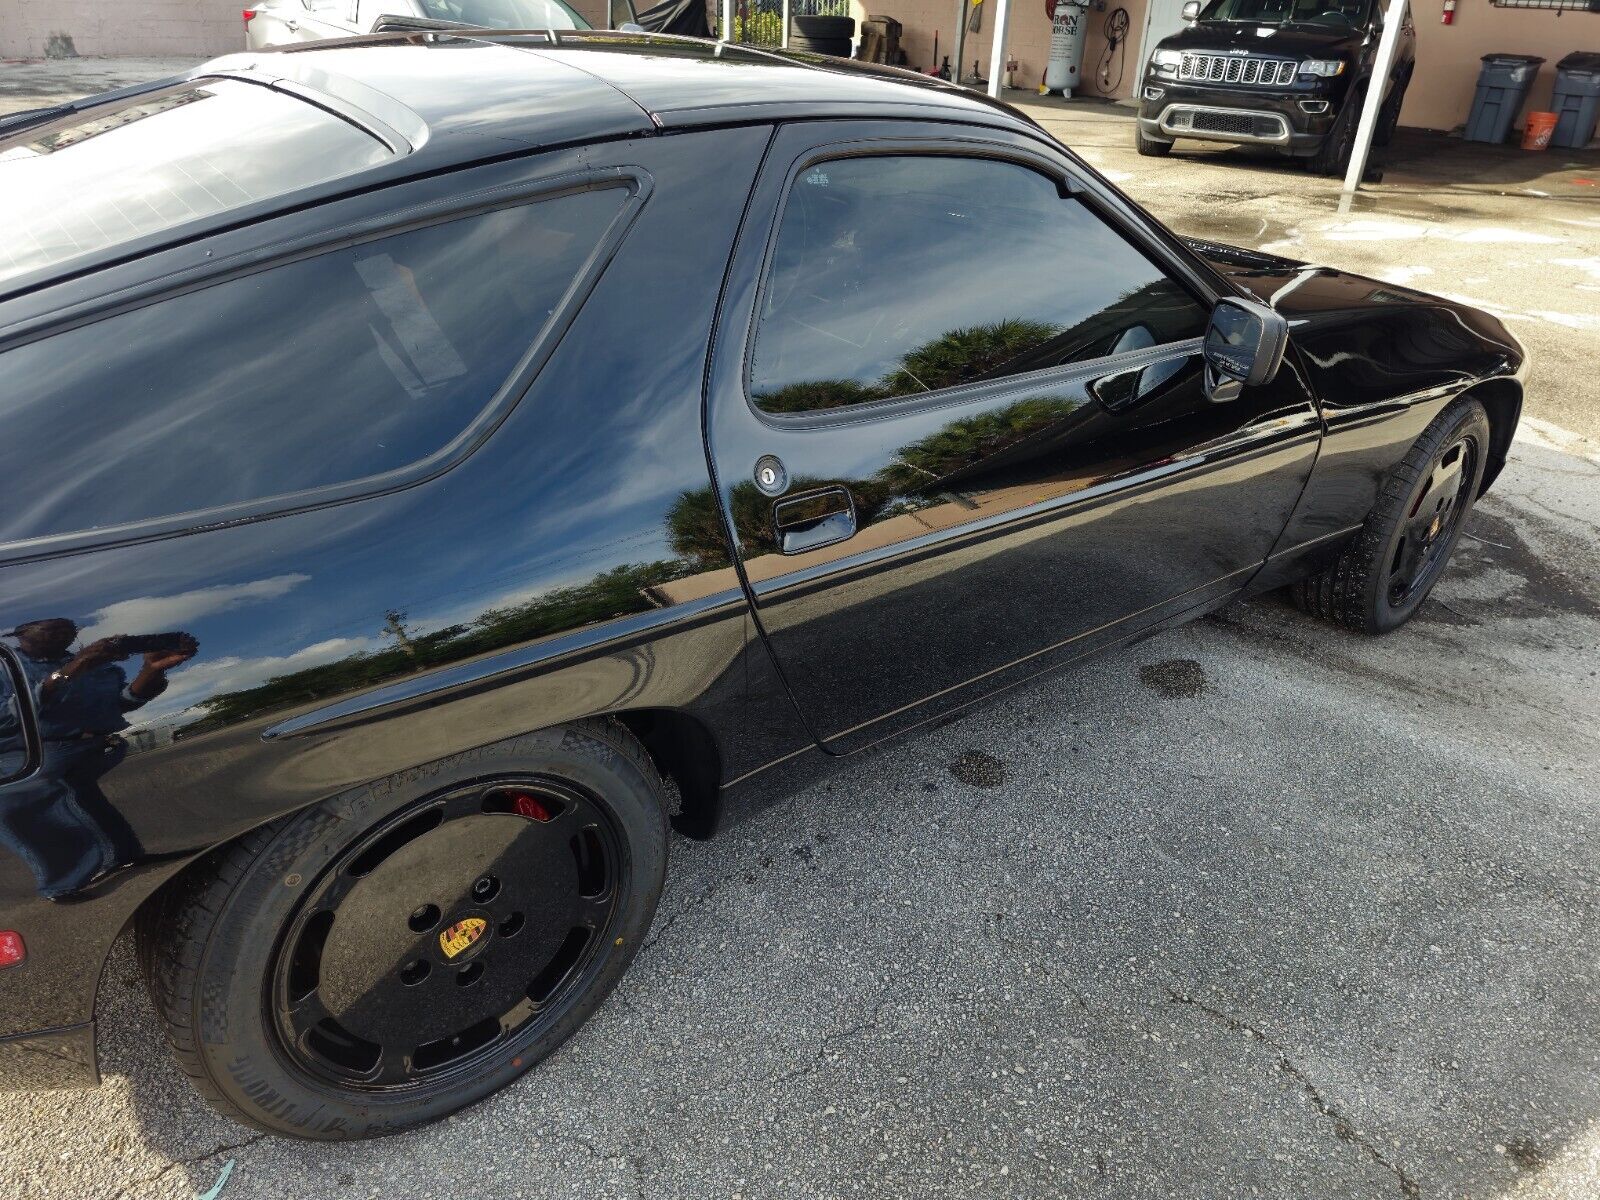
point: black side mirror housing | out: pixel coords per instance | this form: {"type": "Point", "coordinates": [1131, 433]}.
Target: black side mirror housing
{"type": "Point", "coordinates": [1244, 347]}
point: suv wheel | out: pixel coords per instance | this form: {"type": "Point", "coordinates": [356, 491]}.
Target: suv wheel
{"type": "Point", "coordinates": [1389, 117]}
{"type": "Point", "coordinates": [398, 952]}
{"type": "Point", "coordinates": [1333, 156]}
{"type": "Point", "coordinates": [1149, 147]}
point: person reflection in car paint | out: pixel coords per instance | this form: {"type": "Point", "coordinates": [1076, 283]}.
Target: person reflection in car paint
{"type": "Point", "coordinates": [58, 821]}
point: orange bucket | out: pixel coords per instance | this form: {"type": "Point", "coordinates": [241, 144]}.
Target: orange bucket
{"type": "Point", "coordinates": [1536, 133]}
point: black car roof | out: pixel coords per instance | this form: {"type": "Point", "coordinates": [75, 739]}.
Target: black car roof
{"type": "Point", "coordinates": [548, 88]}
{"type": "Point", "coordinates": [445, 100]}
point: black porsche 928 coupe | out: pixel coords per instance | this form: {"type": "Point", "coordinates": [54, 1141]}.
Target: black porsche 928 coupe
{"type": "Point", "coordinates": [425, 454]}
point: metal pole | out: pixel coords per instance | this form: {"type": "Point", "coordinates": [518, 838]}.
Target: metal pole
{"type": "Point", "coordinates": [726, 32]}
{"type": "Point", "coordinates": [997, 52]}
{"type": "Point", "coordinates": [786, 7]}
{"type": "Point", "coordinates": [1393, 15]}
{"type": "Point", "coordinates": [963, 12]}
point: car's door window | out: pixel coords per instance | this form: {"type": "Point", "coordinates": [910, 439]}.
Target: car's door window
{"type": "Point", "coordinates": [896, 275]}
{"type": "Point", "coordinates": [326, 370]}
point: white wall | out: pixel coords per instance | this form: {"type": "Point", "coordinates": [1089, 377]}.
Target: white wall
{"type": "Point", "coordinates": [203, 28]}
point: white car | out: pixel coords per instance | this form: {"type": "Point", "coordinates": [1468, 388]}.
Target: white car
{"type": "Point", "coordinates": [275, 22]}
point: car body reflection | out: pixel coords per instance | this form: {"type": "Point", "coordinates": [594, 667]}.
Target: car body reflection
{"type": "Point", "coordinates": [58, 821]}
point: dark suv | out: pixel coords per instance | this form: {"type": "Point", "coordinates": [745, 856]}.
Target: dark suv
{"type": "Point", "coordinates": [1288, 74]}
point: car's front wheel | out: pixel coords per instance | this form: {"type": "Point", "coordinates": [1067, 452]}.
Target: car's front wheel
{"type": "Point", "coordinates": [394, 954]}
{"type": "Point", "coordinates": [1381, 579]}
{"type": "Point", "coordinates": [1333, 156]}
{"type": "Point", "coordinates": [1150, 147]}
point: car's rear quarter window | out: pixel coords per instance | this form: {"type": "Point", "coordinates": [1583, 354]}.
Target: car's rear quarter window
{"type": "Point", "coordinates": [322, 371]}
{"type": "Point", "coordinates": [118, 173]}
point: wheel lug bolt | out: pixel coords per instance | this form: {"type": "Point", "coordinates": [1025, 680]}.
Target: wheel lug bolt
{"type": "Point", "coordinates": [485, 888]}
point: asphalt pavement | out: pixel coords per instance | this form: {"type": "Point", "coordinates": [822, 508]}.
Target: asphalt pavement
{"type": "Point", "coordinates": [1255, 908]}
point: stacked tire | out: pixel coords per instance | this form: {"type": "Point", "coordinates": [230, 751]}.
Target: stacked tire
{"type": "Point", "coordinates": [833, 36]}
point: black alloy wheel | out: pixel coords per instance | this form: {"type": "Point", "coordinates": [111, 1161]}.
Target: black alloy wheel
{"type": "Point", "coordinates": [1383, 576]}
{"type": "Point", "coordinates": [1434, 519]}
{"type": "Point", "coordinates": [394, 953]}
{"type": "Point", "coordinates": [450, 933]}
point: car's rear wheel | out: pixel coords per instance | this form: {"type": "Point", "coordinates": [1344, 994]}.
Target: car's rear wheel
{"type": "Point", "coordinates": [1389, 117]}
{"type": "Point", "coordinates": [1381, 579]}
{"type": "Point", "coordinates": [393, 955]}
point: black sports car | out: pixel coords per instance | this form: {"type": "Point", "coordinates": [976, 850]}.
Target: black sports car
{"type": "Point", "coordinates": [418, 449]}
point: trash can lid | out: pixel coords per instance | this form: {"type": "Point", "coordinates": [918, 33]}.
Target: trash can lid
{"type": "Point", "coordinates": [1512, 60]}
{"type": "Point", "coordinates": [1580, 60]}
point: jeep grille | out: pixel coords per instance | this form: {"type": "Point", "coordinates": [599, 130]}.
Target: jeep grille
{"type": "Point", "coordinates": [1234, 68]}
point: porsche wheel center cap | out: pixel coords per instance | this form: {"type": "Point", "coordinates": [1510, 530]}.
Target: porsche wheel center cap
{"type": "Point", "coordinates": [458, 942]}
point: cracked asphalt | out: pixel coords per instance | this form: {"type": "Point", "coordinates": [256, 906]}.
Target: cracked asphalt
{"type": "Point", "coordinates": [1255, 908]}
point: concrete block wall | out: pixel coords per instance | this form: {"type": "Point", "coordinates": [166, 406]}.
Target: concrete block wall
{"type": "Point", "coordinates": [46, 28]}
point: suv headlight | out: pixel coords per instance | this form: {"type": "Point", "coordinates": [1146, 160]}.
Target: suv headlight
{"type": "Point", "coordinates": [1166, 62]}
{"type": "Point", "coordinates": [1324, 68]}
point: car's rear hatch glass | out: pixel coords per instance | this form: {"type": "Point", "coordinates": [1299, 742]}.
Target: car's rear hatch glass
{"type": "Point", "coordinates": [121, 172]}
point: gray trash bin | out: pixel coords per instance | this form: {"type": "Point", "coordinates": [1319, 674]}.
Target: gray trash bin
{"type": "Point", "coordinates": [1576, 100]}
{"type": "Point", "coordinates": [1503, 83]}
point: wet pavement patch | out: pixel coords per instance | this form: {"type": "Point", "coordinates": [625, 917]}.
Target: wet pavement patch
{"type": "Point", "coordinates": [1176, 678]}
{"type": "Point", "coordinates": [977, 769]}
{"type": "Point", "coordinates": [1526, 1153]}
{"type": "Point", "coordinates": [1493, 541]}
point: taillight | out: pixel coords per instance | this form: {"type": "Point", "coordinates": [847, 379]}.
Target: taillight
{"type": "Point", "coordinates": [12, 951]}
{"type": "Point", "coordinates": [249, 15]}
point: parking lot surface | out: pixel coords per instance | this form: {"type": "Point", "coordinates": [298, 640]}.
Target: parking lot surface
{"type": "Point", "coordinates": [1255, 908]}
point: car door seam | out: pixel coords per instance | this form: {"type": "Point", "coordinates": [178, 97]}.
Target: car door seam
{"type": "Point", "coordinates": [729, 533]}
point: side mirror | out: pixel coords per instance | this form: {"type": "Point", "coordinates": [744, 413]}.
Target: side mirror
{"type": "Point", "coordinates": [1191, 10]}
{"type": "Point", "coordinates": [1244, 347]}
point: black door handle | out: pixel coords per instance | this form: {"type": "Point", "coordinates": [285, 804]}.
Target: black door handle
{"type": "Point", "coordinates": [813, 519]}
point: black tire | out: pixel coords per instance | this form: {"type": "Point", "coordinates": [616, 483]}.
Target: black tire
{"type": "Point", "coordinates": [1333, 156]}
{"type": "Point", "coordinates": [566, 824]}
{"type": "Point", "coordinates": [1149, 147]}
{"type": "Point", "coordinates": [1389, 117]}
{"type": "Point", "coordinates": [832, 47]}
{"type": "Point", "coordinates": [822, 29]}
{"type": "Point", "coordinates": [1382, 578]}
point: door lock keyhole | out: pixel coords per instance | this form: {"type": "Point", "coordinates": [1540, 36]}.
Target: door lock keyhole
{"type": "Point", "coordinates": [771, 478]}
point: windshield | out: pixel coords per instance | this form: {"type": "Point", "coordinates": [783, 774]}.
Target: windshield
{"type": "Point", "coordinates": [505, 14]}
{"type": "Point", "coordinates": [1339, 14]}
